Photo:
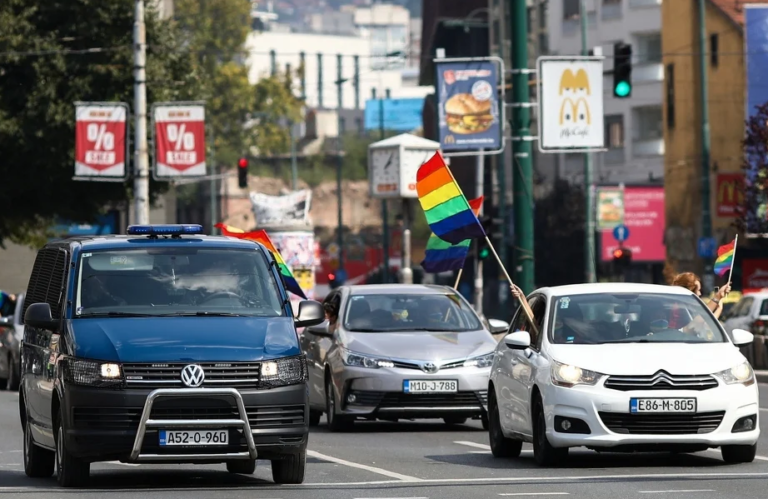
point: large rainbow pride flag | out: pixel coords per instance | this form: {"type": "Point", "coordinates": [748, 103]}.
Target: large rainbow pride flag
{"type": "Point", "coordinates": [442, 256]}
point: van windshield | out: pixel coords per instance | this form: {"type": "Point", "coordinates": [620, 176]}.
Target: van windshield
{"type": "Point", "coordinates": [176, 281]}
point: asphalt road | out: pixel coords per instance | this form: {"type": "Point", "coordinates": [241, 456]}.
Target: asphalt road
{"type": "Point", "coordinates": [423, 460]}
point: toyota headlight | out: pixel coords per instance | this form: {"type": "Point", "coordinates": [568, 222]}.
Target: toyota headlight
{"type": "Point", "coordinates": [92, 373]}
{"type": "Point", "coordinates": [742, 373]}
{"type": "Point", "coordinates": [285, 371]}
{"type": "Point", "coordinates": [359, 360]}
{"type": "Point", "coordinates": [481, 362]}
{"type": "Point", "coordinates": [567, 375]}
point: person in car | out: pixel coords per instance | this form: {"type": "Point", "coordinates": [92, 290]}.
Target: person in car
{"type": "Point", "coordinates": [7, 304]}
{"type": "Point", "coordinates": [95, 294]}
{"type": "Point", "coordinates": [691, 282]}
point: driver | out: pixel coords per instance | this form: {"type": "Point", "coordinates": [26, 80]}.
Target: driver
{"type": "Point", "coordinates": [94, 294]}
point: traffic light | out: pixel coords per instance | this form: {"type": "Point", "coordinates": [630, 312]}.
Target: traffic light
{"type": "Point", "coordinates": [622, 70]}
{"type": "Point", "coordinates": [332, 282]}
{"type": "Point", "coordinates": [242, 173]}
{"type": "Point", "coordinates": [483, 251]}
{"type": "Point", "coordinates": [622, 257]}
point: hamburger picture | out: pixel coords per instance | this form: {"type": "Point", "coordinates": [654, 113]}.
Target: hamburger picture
{"type": "Point", "coordinates": [465, 114]}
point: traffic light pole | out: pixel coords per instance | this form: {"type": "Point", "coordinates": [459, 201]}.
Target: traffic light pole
{"type": "Point", "coordinates": [480, 183]}
{"type": "Point", "coordinates": [589, 222]}
{"type": "Point", "coordinates": [522, 176]}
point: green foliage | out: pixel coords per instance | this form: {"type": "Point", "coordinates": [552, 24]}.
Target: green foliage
{"type": "Point", "coordinates": [39, 84]}
{"type": "Point", "coordinates": [274, 106]}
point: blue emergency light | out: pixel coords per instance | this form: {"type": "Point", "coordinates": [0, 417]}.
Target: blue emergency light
{"type": "Point", "coordinates": [164, 230]}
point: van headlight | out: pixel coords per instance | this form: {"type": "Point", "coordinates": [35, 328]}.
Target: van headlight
{"type": "Point", "coordinates": [567, 375]}
{"type": "Point", "coordinates": [353, 359]}
{"type": "Point", "coordinates": [481, 362]}
{"type": "Point", "coordinates": [92, 373]}
{"type": "Point", "coordinates": [742, 373]}
{"type": "Point", "coordinates": [285, 371]}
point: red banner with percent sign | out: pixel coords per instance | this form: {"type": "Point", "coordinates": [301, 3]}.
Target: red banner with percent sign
{"type": "Point", "coordinates": [179, 140]}
{"type": "Point", "coordinates": [100, 140]}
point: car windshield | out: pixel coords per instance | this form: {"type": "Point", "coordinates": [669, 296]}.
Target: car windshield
{"type": "Point", "coordinates": [381, 313]}
{"type": "Point", "coordinates": [632, 318]}
{"type": "Point", "coordinates": [176, 281]}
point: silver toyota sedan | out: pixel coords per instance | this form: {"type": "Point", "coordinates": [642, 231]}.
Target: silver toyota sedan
{"type": "Point", "coordinates": [398, 351]}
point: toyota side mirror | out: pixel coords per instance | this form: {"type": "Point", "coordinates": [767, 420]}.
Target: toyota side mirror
{"type": "Point", "coordinates": [519, 340]}
{"type": "Point", "coordinates": [310, 313]}
{"type": "Point", "coordinates": [39, 315]}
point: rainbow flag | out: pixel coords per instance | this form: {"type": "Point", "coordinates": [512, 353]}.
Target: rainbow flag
{"type": "Point", "coordinates": [447, 210]}
{"type": "Point", "coordinates": [442, 256]}
{"type": "Point", "coordinates": [725, 254]}
{"type": "Point", "coordinates": [260, 236]}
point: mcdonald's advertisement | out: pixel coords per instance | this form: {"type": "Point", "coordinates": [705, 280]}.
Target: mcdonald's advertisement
{"type": "Point", "coordinates": [468, 105]}
{"type": "Point", "coordinates": [571, 102]}
{"type": "Point", "coordinates": [730, 194]}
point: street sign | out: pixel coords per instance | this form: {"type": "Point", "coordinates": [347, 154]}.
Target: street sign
{"type": "Point", "coordinates": [621, 233]}
{"type": "Point", "coordinates": [179, 138]}
{"type": "Point", "coordinates": [101, 144]}
{"type": "Point", "coordinates": [341, 276]}
{"type": "Point", "coordinates": [706, 247]}
{"type": "Point", "coordinates": [570, 103]}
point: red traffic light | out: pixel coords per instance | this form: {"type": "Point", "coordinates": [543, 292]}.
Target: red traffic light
{"type": "Point", "coordinates": [618, 253]}
{"type": "Point", "coordinates": [243, 163]}
{"type": "Point", "coordinates": [331, 277]}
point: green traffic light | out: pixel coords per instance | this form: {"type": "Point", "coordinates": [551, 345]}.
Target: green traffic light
{"type": "Point", "coordinates": [484, 253]}
{"type": "Point", "coordinates": [622, 89]}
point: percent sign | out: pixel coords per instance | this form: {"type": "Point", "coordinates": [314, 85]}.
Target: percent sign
{"type": "Point", "coordinates": [98, 133]}
{"type": "Point", "coordinates": [179, 136]}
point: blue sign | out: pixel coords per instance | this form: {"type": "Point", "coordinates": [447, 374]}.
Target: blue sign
{"type": "Point", "coordinates": [400, 115]}
{"type": "Point", "coordinates": [341, 276]}
{"type": "Point", "coordinates": [621, 233]}
{"type": "Point", "coordinates": [468, 106]}
{"type": "Point", "coordinates": [706, 247]}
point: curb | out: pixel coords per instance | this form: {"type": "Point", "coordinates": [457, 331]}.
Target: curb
{"type": "Point", "coordinates": [762, 376]}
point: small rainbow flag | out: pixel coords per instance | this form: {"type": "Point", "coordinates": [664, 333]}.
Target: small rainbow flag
{"type": "Point", "coordinates": [725, 254]}
{"type": "Point", "coordinates": [447, 210]}
{"type": "Point", "coordinates": [441, 256]}
{"type": "Point", "coordinates": [260, 236]}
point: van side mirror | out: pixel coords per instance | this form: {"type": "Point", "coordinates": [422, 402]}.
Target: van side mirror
{"type": "Point", "coordinates": [39, 315]}
{"type": "Point", "coordinates": [310, 313]}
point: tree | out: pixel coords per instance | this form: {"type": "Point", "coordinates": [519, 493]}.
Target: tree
{"type": "Point", "coordinates": [753, 216]}
{"type": "Point", "coordinates": [44, 69]}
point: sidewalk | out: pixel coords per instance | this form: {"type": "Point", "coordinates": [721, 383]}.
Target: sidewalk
{"type": "Point", "coordinates": [762, 376]}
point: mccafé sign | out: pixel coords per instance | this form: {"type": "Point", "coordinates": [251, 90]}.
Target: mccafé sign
{"type": "Point", "coordinates": [730, 194]}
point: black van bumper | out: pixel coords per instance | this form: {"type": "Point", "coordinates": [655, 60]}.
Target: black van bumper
{"type": "Point", "coordinates": [103, 425]}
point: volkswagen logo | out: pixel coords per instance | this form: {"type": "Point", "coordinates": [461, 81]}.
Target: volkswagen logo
{"type": "Point", "coordinates": [192, 375]}
{"type": "Point", "coordinates": [430, 367]}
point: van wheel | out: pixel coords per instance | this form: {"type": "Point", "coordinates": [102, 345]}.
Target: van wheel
{"type": "Point", "coordinates": [314, 417]}
{"type": "Point", "coordinates": [501, 446]}
{"type": "Point", "coordinates": [290, 470]}
{"type": "Point", "coordinates": [70, 471]}
{"type": "Point", "coordinates": [733, 454]}
{"type": "Point", "coordinates": [244, 467]}
{"type": "Point", "coordinates": [38, 462]}
{"type": "Point", "coordinates": [543, 452]}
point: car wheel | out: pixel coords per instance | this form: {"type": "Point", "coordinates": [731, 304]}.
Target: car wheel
{"type": "Point", "coordinates": [453, 420]}
{"type": "Point", "coordinates": [314, 417]}
{"type": "Point", "coordinates": [733, 454]}
{"type": "Point", "coordinates": [245, 467]}
{"type": "Point", "coordinates": [501, 446]}
{"type": "Point", "coordinates": [543, 452]}
{"type": "Point", "coordinates": [38, 462]}
{"type": "Point", "coordinates": [290, 470]}
{"type": "Point", "coordinates": [70, 471]}
{"type": "Point", "coordinates": [336, 422]}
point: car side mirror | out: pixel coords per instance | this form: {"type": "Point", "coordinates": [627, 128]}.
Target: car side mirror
{"type": "Point", "coordinates": [519, 340]}
{"type": "Point", "coordinates": [498, 326]}
{"type": "Point", "coordinates": [742, 337]}
{"type": "Point", "coordinates": [310, 314]}
{"type": "Point", "coordinates": [39, 315]}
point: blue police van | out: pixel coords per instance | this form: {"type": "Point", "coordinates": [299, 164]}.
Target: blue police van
{"type": "Point", "coordinates": [162, 346]}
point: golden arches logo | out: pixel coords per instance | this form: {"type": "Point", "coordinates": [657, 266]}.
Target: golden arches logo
{"type": "Point", "coordinates": [577, 114]}
{"type": "Point", "coordinates": [573, 82]}
{"type": "Point", "coordinates": [730, 192]}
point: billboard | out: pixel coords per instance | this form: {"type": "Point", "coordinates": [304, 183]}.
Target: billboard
{"type": "Point", "coordinates": [101, 140]}
{"type": "Point", "coordinates": [179, 138]}
{"type": "Point", "coordinates": [469, 118]}
{"type": "Point", "coordinates": [644, 218]}
{"type": "Point", "coordinates": [610, 207]}
{"type": "Point", "coordinates": [730, 194]}
{"type": "Point", "coordinates": [754, 274]}
{"type": "Point", "coordinates": [278, 211]}
{"type": "Point", "coordinates": [401, 115]}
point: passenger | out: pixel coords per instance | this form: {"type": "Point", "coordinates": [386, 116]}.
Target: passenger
{"type": "Point", "coordinates": [7, 304]}
{"type": "Point", "coordinates": [691, 282]}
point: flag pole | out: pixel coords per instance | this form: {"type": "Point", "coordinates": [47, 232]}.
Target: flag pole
{"type": "Point", "coordinates": [458, 278]}
{"type": "Point", "coordinates": [730, 272]}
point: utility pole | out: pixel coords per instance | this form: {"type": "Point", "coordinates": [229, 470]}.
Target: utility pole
{"type": "Point", "coordinates": [480, 185]}
{"type": "Point", "coordinates": [141, 175]}
{"type": "Point", "coordinates": [294, 165]}
{"type": "Point", "coordinates": [589, 225]}
{"type": "Point", "coordinates": [356, 81]}
{"type": "Point", "coordinates": [214, 197]}
{"type": "Point", "coordinates": [522, 175]}
{"type": "Point", "coordinates": [706, 217]}
{"type": "Point", "coordinates": [319, 81]}
{"type": "Point", "coordinates": [384, 210]}
{"type": "Point", "coordinates": [339, 163]}
{"type": "Point", "coordinates": [501, 180]}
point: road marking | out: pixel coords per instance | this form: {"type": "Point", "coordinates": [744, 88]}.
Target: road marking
{"type": "Point", "coordinates": [674, 491]}
{"type": "Point", "coordinates": [759, 458]}
{"type": "Point", "coordinates": [473, 444]}
{"type": "Point", "coordinates": [763, 409]}
{"type": "Point", "coordinates": [8, 451]}
{"type": "Point", "coordinates": [372, 469]}
{"type": "Point", "coordinates": [521, 494]}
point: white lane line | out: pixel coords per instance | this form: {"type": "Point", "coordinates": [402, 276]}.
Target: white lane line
{"type": "Point", "coordinates": [372, 469]}
{"type": "Point", "coordinates": [762, 409]}
{"type": "Point", "coordinates": [473, 444]}
{"type": "Point", "coordinates": [8, 451]}
{"type": "Point", "coordinates": [523, 494]}
{"type": "Point", "coordinates": [691, 491]}
{"type": "Point", "coordinates": [759, 458]}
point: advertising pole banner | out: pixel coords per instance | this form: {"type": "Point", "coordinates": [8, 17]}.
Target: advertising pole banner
{"type": "Point", "coordinates": [101, 141]}
{"type": "Point", "coordinates": [730, 194]}
{"type": "Point", "coordinates": [644, 218]}
{"type": "Point", "coordinates": [610, 207]}
{"type": "Point", "coordinates": [179, 138]}
{"type": "Point", "coordinates": [468, 106]}
{"type": "Point", "coordinates": [279, 211]}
